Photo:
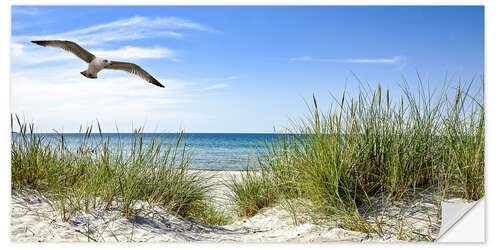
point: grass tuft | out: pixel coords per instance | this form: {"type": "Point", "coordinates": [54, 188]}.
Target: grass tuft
{"type": "Point", "coordinates": [251, 191]}
{"type": "Point", "coordinates": [96, 174]}
{"type": "Point", "coordinates": [372, 144]}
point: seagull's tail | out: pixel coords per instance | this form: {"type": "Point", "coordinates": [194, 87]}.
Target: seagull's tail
{"type": "Point", "coordinates": [88, 75]}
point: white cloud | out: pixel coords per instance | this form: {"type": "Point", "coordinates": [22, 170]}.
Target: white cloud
{"type": "Point", "coordinates": [94, 38]}
{"type": "Point", "coordinates": [123, 30]}
{"type": "Point", "coordinates": [25, 55]}
{"type": "Point", "coordinates": [131, 52]}
{"type": "Point", "coordinates": [302, 58]}
{"type": "Point", "coordinates": [228, 78]}
{"type": "Point", "coordinates": [17, 49]}
{"type": "Point", "coordinates": [216, 86]}
{"type": "Point", "coordinates": [55, 98]}
{"type": "Point", "coordinates": [392, 60]}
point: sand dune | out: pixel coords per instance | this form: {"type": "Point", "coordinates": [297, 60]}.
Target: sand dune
{"type": "Point", "coordinates": [33, 219]}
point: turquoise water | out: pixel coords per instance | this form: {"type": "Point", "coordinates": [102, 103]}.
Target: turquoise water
{"type": "Point", "coordinates": [211, 151]}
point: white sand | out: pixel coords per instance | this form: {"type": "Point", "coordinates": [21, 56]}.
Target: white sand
{"type": "Point", "coordinates": [34, 220]}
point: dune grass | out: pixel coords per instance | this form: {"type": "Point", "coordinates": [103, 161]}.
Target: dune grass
{"type": "Point", "coordinates": [373, 144]}
{"type": "Point", "coordinates": [99, 175]}
{"type": "Point", "coordinates": [251, 191]}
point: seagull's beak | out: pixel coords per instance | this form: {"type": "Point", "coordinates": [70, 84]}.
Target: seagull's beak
{"type": "Point", "coordinates": [110, 63]}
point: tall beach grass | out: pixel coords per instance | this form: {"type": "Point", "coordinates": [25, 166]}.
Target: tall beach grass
{"type": "Point", "coordinates": [104, 176]}
{"type": "Point", "coordinates": [374, 144]}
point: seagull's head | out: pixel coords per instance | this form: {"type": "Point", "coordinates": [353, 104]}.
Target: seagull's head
{"type": "Point", "coordinates": [102, 62]}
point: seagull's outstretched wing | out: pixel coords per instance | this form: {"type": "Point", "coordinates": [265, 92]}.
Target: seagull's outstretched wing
{"type": "Point", "coordinates": [134, 69]}
{"type": "Point", "coordinates": [68, 46]}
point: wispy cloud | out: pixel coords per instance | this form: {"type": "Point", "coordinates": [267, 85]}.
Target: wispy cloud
{"type": "Point", "coordinates": [219, 85]}
{"type": "Point", "coordinates": [25, 55]}
{"type": "Point", "coordinates": [58, 96]}
{"type": "Point", "coordinates": [94, 38]}
{"type": "Point", "coordinates": [304, 58]}
{"type": "Point", "coordinates": [216, 86]}
{"type": "Point", "coordinates": [133, 28]}
{"type": "Point", "coordinates": [33, 54]}
{"type": "Point", "coordinates": [228, 78]}
{"type": "Point", "coordinates": [391, 60]}
{"type": "Point", "coordinates": [131, 52]}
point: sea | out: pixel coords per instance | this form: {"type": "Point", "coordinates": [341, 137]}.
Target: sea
{"type": "Point", "coordinates": [210, 151]}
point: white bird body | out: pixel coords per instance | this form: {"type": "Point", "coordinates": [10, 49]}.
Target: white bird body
{"type": "Point", "coordinates": [97, 64]}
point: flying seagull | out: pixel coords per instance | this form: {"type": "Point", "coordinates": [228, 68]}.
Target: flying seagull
{"type": "Point", "coordinates": [96, 64]}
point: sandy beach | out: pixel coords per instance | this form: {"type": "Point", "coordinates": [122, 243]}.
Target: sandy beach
{"type": "Point", "coordinates": [33, 219]}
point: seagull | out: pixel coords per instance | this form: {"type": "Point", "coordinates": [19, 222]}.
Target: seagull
{"type": "Point", "coordinates": [96, 64]}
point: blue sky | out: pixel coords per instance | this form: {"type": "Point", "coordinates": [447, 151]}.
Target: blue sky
{"type": "Point", "coordinates": [229, 69]}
